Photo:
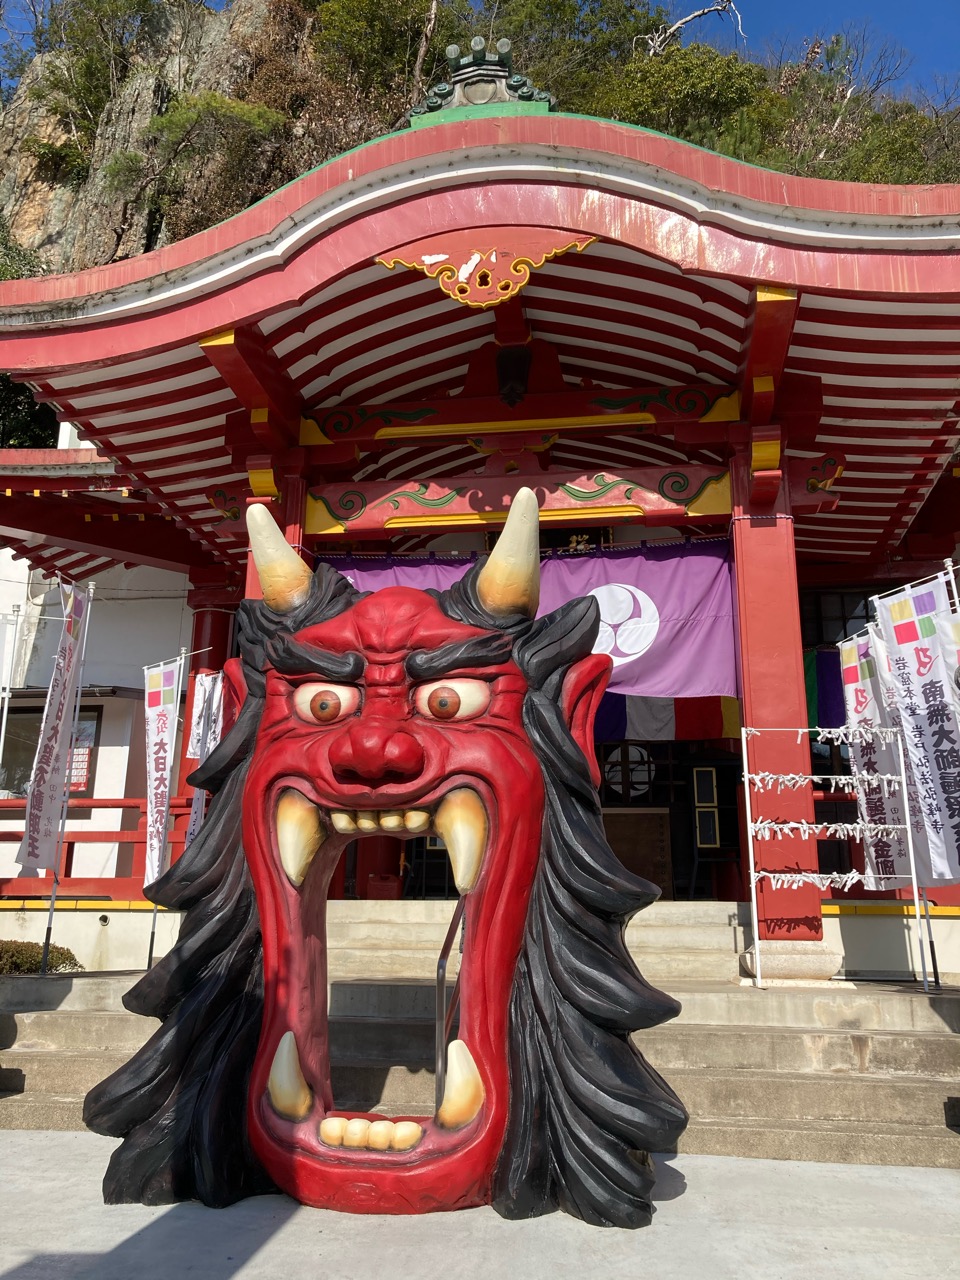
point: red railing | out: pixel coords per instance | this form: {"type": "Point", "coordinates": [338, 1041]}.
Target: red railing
{"type": "Point", "coordinates": [126, 887]}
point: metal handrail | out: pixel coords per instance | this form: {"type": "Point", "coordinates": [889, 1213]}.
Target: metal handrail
{"type": "Point", "coordinates": [445, 1016]}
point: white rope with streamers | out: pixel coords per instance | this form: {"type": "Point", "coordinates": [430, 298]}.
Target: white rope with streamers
{"type": "Point", "coordinates": [845, 734]}
{"type": "Point", "coordinates": [765, 781]}
{"type": "Point", "coordinates": [856, 733]}
{"type": "Point", "coordinates": [768, 829]}
{"type": "Point", "coordinates": [796, 879]}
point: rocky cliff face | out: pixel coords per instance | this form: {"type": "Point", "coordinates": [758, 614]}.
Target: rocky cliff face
{"type": "Point", "coordinates": [78, 225]}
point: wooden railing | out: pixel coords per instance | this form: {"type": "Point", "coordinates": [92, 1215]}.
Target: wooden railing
{"type": "Point", "coordinates": [126, 887]}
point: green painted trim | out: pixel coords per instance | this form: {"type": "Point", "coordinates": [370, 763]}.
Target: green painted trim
{"type": "Point", "coordinates": [471, 113]}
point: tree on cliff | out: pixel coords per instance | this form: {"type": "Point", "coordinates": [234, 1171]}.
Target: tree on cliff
{"type": "Point", "coordinates": [23, 423]}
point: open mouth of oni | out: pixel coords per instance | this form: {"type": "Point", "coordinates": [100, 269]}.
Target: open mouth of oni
{"type": "Point", "coordinates": [297, 1105]}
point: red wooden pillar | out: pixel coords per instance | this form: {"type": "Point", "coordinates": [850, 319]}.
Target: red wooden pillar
{"type": "Point", "coordinates": [209, 649]}
{"type": "Point", "coordinates": [771, 672]}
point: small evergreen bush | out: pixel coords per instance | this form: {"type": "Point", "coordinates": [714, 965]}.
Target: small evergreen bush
{"type": "Point", "coordinates": [24, 957]}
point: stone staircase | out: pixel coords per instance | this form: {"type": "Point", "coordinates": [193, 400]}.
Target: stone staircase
{"type": "Point", "coordinates": [853, 1074]}
{"type": "Point", "coordinates": [670, 940]}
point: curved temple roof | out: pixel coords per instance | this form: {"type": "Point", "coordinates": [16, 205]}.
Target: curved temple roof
{"type": "Point", "coordinates": [660, 291]}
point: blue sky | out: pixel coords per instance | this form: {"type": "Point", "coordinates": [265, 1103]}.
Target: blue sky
{"type": "Point", "coordinates": [929, 31]}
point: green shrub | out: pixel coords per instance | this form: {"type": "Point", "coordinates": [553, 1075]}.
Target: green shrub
{"type": "Point", "coordinates": [24, 957]}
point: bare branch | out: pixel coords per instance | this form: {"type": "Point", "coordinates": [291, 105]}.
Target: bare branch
{"type": "Point", "coordinates": [660, 40]}
{"type": "Point", "coordinates": [428, 29]}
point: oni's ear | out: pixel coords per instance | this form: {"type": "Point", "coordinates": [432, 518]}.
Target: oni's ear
{"type": "Point", "coordinates": [583, 687]}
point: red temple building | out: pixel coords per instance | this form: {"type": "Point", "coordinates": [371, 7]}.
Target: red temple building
{"type": "Point", "coordinates": [666, 345]}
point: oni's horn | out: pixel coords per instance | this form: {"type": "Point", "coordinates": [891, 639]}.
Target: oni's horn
{"type": "Point", "coordinates": [284, 578]}
{"type": "Point", "coordinates": [510, 580]}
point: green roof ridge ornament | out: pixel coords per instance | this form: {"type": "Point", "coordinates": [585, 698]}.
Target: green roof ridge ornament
{"type": "Point", "coordinates": [481, 78]}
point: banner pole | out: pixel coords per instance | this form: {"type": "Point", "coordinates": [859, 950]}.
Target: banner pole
{"type": "Point", "coordinates": [933, 949]}
{"type": "Point", "coordinates": [748, 812]}
{"type": "Point", "coordinates": [882, 595]}
{"type": "Point", "coordinates": [166, 818]}
{"type": "Point", "coordinates": [8, 680]}
{"type": "Point", "coordinates": [65, 801]}
{"type": "Point", "coordinates": [913, 862]}
{"type": "Point", "coordinates": [952, 575]}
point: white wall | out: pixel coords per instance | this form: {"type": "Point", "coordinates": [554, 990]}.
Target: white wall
{"type": "Point", "coordinates": [139, 616]}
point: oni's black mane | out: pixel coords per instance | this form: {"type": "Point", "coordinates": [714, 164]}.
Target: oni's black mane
{"type": "Point", "coordinates": [585, 1108]}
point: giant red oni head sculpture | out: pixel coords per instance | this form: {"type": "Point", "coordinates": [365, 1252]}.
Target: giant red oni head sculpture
{"type": "Point", "coordinates": [403, 712]}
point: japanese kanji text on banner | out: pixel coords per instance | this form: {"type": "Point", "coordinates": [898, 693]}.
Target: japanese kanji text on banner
{"type": "Point", "coordinates": [920, 671]}
{"type": "Point", "coordinates": [871, 703]}
{"type": "Point", "coordinates": [160, 713]}
{"type": "Point", "coordinates": [48, 781]}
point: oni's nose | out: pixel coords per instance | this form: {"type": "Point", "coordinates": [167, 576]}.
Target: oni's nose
{"type": "Point", "coordinates": [375, 753]}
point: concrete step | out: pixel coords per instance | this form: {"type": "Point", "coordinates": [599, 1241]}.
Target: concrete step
{"type": "Point", "coordinates": [40, 1111]}
{"type": "Point", "coordinates": [926, 1054]}
{"type": "Point", "coordinates": [705, 1002]}
{"type": "Point", "coordinates": [764, 1098]}
{"type": "Point", "coordinates": [401, 1040]}
{"type": "Point", "coordinates": [835, 1142]}
{"type": "Point", "coordinates": [75, 1029]}
{"type": "Point", "coordinates": [349, 963]}
{"type": "Point", "coordinates": [781, 1097]}
{"type": "Point", "coordinates": [440, 911]}
{"type": "Point", "coordinates": [864, 1007]}
{"type": "Point", "coordinates": [42, 1071]}
{"type": "Point", "coordinates": [359, 961]}
{"type": "Point", "coordinates": [641, 935]}
{"type": "Point", "coordinates": [26, 993]}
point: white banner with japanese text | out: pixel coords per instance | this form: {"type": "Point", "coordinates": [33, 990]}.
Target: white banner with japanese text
{"type": "Point", "coordinates": [206, 729]}
{"type": "Point", "coordinates": [48, 780]}
{"type": "Point", "coordinates": [875, 762]}
{"type": "Point", "coordinates": [922, 683]}
{"type": "Point", "coordinates": [161, 705]}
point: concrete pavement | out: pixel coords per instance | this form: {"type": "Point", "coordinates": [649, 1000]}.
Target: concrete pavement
{"type": "Point", "coordinates": [717, 1217]}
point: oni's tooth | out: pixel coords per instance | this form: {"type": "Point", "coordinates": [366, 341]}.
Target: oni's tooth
{"type": "Point", "coordinates": [368, 821]}
{"type": "Point", "coordinates": [380, 1136]}
{"type": "Point", "coordinates": [332, 1129]}
{"type": "Point", "coordinates": [344, 823]}
{"type": "Point", "coordinates": [299, 834]}
{"type": "Point", "coordinates": [356, 1132]}
{"type": "Point", "coordinates": [391, 820]}
{"type": "Point", "coordinates": [289, 1092]}
{"type": "Point", "coordinates": [416, 820]}
{"type": "Point", "coordinates": [461, 823]}
{"type": "Point", "coordinates": [463, 1089]}
{"type": "Point", "coordinates": [406, 1134]}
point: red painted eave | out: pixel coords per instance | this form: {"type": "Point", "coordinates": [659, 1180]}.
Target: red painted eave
{"type": "Point", "coordinates": [68, 461]}
{"type": "Point", "coordinates": [713, 172]}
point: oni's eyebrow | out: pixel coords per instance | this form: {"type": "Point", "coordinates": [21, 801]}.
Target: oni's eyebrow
{"type": "Point", "coordinates": [481, 651]}
{"type": "Point", "coordinates": [293, 659]}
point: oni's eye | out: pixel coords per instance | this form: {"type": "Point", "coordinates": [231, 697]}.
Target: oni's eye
{"type": "Point", "coordinates": [325, 703]}
{"type": "Point", "coordinates": [452, 699]}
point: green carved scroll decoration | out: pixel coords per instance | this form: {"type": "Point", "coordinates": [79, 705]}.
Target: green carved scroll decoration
{"type": "Point", "coordinates": [604, 485]}
{"type": "Point", "coordinates": [418, 496]}
{"type": "Point", "coordinates": [679, 401]}
{"type": "Point", "coordinates": [342, 420]}
{"type": "Point", "coordinates": [675, 487]}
